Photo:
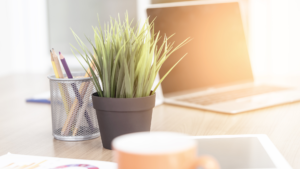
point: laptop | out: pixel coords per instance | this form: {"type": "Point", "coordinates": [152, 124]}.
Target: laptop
{"type": "Point", "coordinates": [216, 74]}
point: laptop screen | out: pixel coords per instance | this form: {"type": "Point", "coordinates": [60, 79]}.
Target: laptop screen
{"type": "Point", "coordinates": [217, 54]}
{"type": "Point", "coordinates": [236, 153]}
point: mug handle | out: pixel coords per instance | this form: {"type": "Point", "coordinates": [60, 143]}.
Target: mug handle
{"type": "Point", "coordinates": [207, 162]}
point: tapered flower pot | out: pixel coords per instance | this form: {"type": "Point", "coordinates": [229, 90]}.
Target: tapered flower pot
{"type": "Point", "coordinates": [118, 116]}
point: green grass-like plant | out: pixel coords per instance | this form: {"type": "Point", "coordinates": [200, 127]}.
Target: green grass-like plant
{"type": "Point", "coordinates": [126, 58]}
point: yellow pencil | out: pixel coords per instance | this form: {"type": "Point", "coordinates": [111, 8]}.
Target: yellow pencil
{"type": "Point", "coordinates": [57, 65]}
{"type": "Point", "coordinates": [60, 75]}
{"type": "Point", "coordinates": [60, 86]}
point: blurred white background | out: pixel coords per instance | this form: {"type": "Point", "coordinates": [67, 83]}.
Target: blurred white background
{"type": "Point", "coordinates": [24, 37]}
{"type": "Point", "coordinates": [27, 31]}
{"type": "Point", "coordinates": [274, 39]}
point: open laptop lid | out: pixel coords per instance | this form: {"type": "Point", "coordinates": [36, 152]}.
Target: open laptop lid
{"type": "Point", "coordinates": [218, 53]}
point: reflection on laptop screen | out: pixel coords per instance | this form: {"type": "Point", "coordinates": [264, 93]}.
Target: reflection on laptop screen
{"type": "Point", "coordinates": [218, 51]}
{"type": "Point", "coordinates": [236, 153]}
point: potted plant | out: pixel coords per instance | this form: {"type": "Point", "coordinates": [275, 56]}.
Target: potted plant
{"type": "Point", "coordinates": [126, 59]}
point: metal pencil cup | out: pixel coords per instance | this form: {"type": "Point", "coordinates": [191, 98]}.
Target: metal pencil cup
{"type": "Point", "coordinates": [73, 115]}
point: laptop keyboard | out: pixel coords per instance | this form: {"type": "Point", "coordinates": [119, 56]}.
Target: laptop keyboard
{"type": "Point", "coordinates": [232, 95]}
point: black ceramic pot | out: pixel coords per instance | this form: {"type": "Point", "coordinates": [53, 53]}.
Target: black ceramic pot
{"type": "Point", "coordinates": [118, 116]}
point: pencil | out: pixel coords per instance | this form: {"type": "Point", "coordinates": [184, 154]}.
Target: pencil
{"type": "Point", "coordinates": [60, 86]}
{"type": "Point", "coordinates": [53, 65]}
{"type": "Point", "coordinates": [82, 109]}
{"type": "Point", "coordinates": [75, 89]}
{"type": "Point", "coordinates": [82, 94]}
{"type": "Point", "coordinates": [60, 74]}
{"type": "Point", "coordinates": [72, 113]}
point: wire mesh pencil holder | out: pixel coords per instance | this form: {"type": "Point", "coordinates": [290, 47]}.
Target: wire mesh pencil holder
{"type": "Point", "coordinates": [73, 115]}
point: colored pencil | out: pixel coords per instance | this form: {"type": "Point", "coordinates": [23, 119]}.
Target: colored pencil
{"type": "Point", "coordinates": [82, 109]}
{"type": "Point", "coordinates": [75, 89]}
{"type": "Point", "coordinates": [59, 71]}
{"type": "Point", "coordinates": [61, 75]}
{"type": "Point", "coordinates": [74, 108]}
{"type": "Point", "coordinates": [60, 86]}
{"type": "Point", "coordinates": [53, 65]}
{"type": "Point", "coordinates": [73, 117]}
{"type": "Point", "coordinates": [73, 112]}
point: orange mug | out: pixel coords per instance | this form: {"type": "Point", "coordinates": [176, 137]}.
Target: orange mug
{"type": "Point", "coordinates": [159, 150]}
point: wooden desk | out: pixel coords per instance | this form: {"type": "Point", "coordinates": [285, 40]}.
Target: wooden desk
{"type": "Point", "coordinates": [25, 128]}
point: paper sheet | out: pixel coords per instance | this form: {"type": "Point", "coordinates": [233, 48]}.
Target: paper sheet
{"type": "Point", "coordinates": [15, 161]}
